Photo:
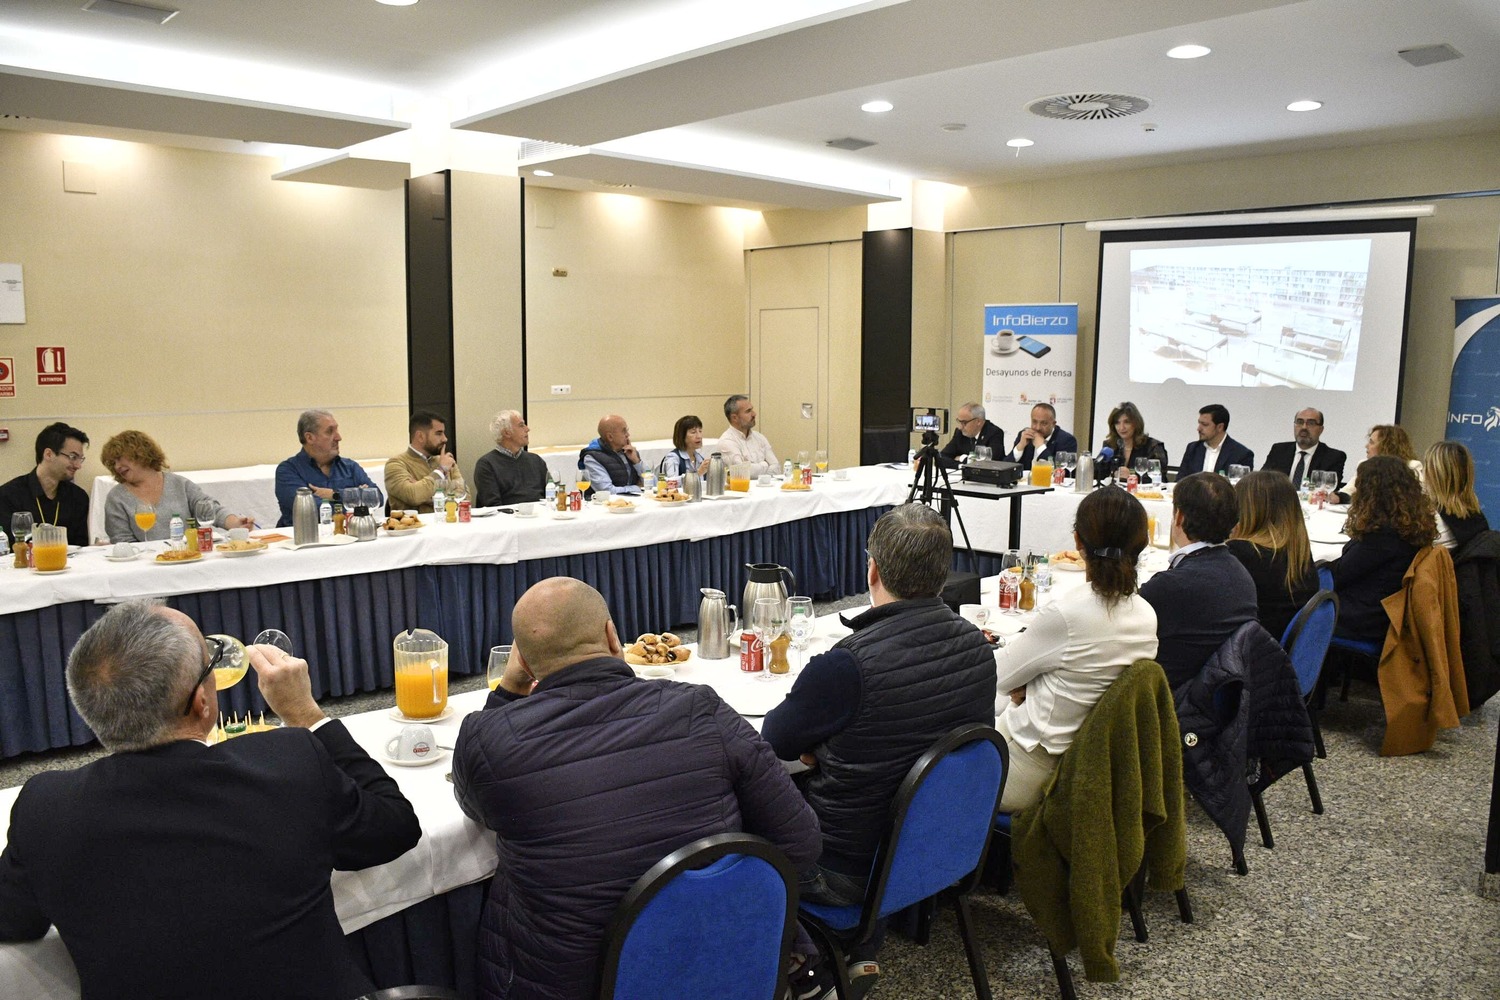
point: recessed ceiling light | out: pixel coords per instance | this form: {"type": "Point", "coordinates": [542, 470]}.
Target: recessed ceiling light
{"type": "Point", "coordinates": [136, 11]}
{"type": "Point", "coordinates": [1188, 52]}
{"type": "Point", "coordinates": [541, 173]}
{"type": "Point", "coordinates": [953, 127]}
{"type": "Point", "coordinates": [876, 107]}
{"type": "Point", "coordinates": [397, 3]}
{"type": "Point", "coordinates": [1019, 143]}
{"type": "Point", "coordinates": [1304, 105]}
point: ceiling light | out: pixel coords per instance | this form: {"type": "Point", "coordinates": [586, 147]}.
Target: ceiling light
{"type": "Point", "coordinates": [876, 107]}
{"type": "Point", "coordinates": [953, 127]}
{"type": "Point", "coordinates": [1304, 105]}
{"type": "Point", "coordinates": [136, 11]}
{"type": "Point", "coordinates": [1019, 143]}
{"type": "Point", "coordinates": [541, 173]}
{"type": "Point", "coordinates": [1188, 52]}
{"type": "Point", "coordinates": [397, 3]}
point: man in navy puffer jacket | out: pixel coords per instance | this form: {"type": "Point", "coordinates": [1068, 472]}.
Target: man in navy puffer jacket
{"type": "Point", "coordinates": [590, 778]}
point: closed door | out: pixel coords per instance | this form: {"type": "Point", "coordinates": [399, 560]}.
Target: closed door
{"type": "Point", "coordinates": [786, 384]}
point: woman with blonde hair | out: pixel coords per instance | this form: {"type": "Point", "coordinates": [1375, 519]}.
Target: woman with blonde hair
{"type": "Point", "coordinates": [1127, 436]}
{"type": "Point", "coordinates": [1389, 521]}
{"type": "Point", "coordinates": [140, 467]}
{"type": "Point", "coordinates": [1271, 542]}
{"type": "Point", "coordinates": [1449, 479]}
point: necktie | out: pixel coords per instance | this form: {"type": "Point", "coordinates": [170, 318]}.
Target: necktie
{"type": "Point", "coordinates": [1297, 472]}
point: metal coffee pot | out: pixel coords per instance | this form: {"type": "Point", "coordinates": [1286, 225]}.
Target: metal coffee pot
{"type": "Point", "coordinates": [304, 517]}
{"type": "Point", "coordinates": [715, 480]}
{"type": "Point", "coordinates": [1083, 479]}
{"type": "Point", "coordinates": [766, 581]}
{"type": "Point", "coordinates": [717, 622]}
{"type": "Point", "coordinates": [363, 524]}
{"type": "Point", "coordinates": [692, 485]}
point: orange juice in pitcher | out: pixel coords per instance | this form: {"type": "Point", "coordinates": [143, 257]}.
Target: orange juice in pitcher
{"type": "Point", "coordinates": [421, 674]}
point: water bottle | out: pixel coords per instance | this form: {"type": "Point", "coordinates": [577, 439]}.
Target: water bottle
{"type": "Point", "coordinates": [1042, 574]}
{"type": "Point", "coordinates": [176, 532]}
{"type": "Point", "coordinates": [439, 504]}
{"type": "Point", "coordinates": [551, 492]}
{"type": "Point", "coordinates": [786, 470]}
{"type": "Point", "coordinates": [648, 482]}
{"type": "Point", "coordinates": [325, 520]}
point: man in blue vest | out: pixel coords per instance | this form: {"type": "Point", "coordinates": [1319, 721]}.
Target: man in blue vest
{"type": "Point", "coordinates": [611, 461]}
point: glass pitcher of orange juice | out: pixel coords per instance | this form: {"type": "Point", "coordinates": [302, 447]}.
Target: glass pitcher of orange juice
{"type": "Point", "coordinates": [49, 548]}
{"type": "Point", "coordinates": [421, 674]}
{"type": "Point", "coordinates": [739, 477]}
{"type": "Point", "coordinates": [1041, 472]}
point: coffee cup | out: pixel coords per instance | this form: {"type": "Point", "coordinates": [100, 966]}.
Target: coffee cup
{"type": "Point", "coordinates": [841, 475]}
{"type": "Point", "coordinates": [412, 745]}
{"type": "Point", "coordinates": [768, 480]}
{"type": "Point", "coordinates": [977, 615]}
{"type": "Point", "coordinates": [1004, 342]}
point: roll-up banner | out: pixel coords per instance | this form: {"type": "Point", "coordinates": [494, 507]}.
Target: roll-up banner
{"type": "Point", "coordinates": [1030, 352]}
{"type": "Point", "coordinates": [1474, 393]}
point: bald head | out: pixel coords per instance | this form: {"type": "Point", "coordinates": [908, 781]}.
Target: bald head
{"type": "Point", "coordinates": [613, 431]}
{"type": "Point", "coordinates": [562, 621]}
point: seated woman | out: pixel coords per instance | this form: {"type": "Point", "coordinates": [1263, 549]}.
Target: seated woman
{"type": "Point", "coordinates": [140, 466]}
{"type": "Point", "coordinates": [1390, 519]}
{"type": "Point", "coordinates": [687, 440]}
{"type": "Point", "coordinates": [1057, 669]}
{"type": "Point", "coordinates": [1127, 436]}
{"type": "Point", "coordinates": [1386, 439]}
{"type": "Point", "coordinates": [1449, 478]}
{"type": "Point", "coordinates": [1271, 542]}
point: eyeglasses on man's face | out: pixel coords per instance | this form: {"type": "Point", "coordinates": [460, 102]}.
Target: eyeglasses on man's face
{"type": "Point", "coordinates": [1300, 422]}
{"type": "Point", "coordinates": [213, 661]}
{"type": "Point", "coordinates": [74, 457]}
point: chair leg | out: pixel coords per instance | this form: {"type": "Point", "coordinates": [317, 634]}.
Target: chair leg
{"type": "Point", "coordinates": [926, 911]}
{"type": "Point", "coordinates": [1064, 977]}
{"type": "Point", "coordinates": [1344, 688]}
{"type": "Point", "coordinates": [1312, 715]}
{"type": "Point", "coordinates": [971, 949]}
{"type": "Point", "coordinates": [1312, 788]}
{"type": "Point", "coordinates": [1261, 819]}
{"type": "Point", "coordinates": [1184, 907]}
{"type": "Point", "coordinates": [1132, 900]}
{"type": "Point", "coordinates": [838, 963]}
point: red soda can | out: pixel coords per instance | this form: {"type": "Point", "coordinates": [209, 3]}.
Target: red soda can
{"type": "Point", "coordinates": [1007, 596]}
{"type": "Point", "coordinates": [1058, 475]}
{"type": "Point", "coordinates": [205, 538]}
{"type": "Point", "coordinates": [673, 484]}
{"type": "Point", "coordinates": [575, 500]}
{"type": "Point", "coordinates": [465, 514]}
{"type": "Point", "coordinates": [807, 471]}
{"type": "Point", "coordinates": [1132, 483]}
{"type": "Point", "coordinates": [752, 653]}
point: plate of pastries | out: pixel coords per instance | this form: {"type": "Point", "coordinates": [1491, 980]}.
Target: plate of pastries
{"type": "Point", "coordinates": [403, 523]}
{"type": "Point", "coordinates": [1068, 560]}
{"type": "Point", "coordinates": [653, 648]}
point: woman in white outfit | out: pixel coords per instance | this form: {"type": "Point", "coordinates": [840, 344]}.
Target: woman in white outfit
{"type": "Point", "coordinates": [1054, 672]}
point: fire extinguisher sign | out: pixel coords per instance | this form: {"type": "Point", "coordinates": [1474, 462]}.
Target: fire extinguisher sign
{"type": "Point", "coordinates": [51, 366]}
{"type": "Point", "coordinates": [7, 377]}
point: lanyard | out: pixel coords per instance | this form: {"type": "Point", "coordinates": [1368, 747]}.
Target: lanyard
{"type": "Point", "coordinates": [56, 510]}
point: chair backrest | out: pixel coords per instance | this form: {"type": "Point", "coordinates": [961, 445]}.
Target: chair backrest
{"type": "Point", "coordinates": [1325, 576]}
{"type": "Point", "coordinates": [668, 938]}
{"type": "Point", "coordinates": [1308, 636]}
{"type": "Point", "coordinates": [941, 821]}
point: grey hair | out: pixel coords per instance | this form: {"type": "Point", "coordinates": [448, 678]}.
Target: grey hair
{"type": "Point", "coordinates": [912, 547]}
{"type": "Point", "coordinates": [731, 404]}
{"type": "Point", "coordinates": [504, 423]}
{"type": "Point", "coordinates": [976, 410]}
{"type": "Point", "coordinates": [130, 673]}
{"type": "Point", "coordinates": [308, 423]}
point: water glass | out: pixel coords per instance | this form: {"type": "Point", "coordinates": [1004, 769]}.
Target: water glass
{"type": "Point", "coordinates": [983, 453]}
{"type": "Point", "coordinates": [20, 525]}
{"type": "Point", "coordinates": [1153, 465]}
{"type": "Point", "coordinates": [1236, 473]}
{"type": "Point", "coordinates": [767, 621]}
{"type": "Point", "coordinates": [801, 622]}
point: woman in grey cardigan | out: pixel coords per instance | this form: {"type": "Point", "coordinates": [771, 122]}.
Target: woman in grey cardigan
{"type": "Point", "coordinates": [139, 466]}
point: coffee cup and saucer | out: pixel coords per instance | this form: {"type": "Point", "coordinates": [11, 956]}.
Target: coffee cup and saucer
{"type": "Point", "coordinates": [414, 746]}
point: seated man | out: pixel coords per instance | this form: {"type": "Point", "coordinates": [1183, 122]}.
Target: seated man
{"type": "Point", "coordinates": [412, 477]}
{"type": "Point", "coordinates": [1306, 453]}
{"type": "Point", "coordinates": [317, 465]}
{"type": "Point", "coordinates": [48, 492]}
{"type": "Point", "coordinates": [509, 473]}
{"type": "Point", "coordinates": [741, 443]}
{"type": "Point", "coordinates": [862, 713]}
{"type": "Point", "coordinates": [589, 776]}
{"type": "Point", "coordinates": [971, 429]}
{"type": "Point", "coordinates": [1206, 593]}
{"type": "Point", "coordinates": [610, 460]}
{"type": "Point", "coordinates": [1043, 439]}
{"type": "Point", "coordinates": [170, 853]}
{"type": "Point", "coordinates": [1214, 451]}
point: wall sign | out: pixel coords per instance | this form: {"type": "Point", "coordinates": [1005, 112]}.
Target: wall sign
{"type": "Point", "coordinates": [7, 377]}
{"type": "Point", "coordinates": [51, 366]}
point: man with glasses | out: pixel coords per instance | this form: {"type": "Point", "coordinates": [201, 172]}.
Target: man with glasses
{"type": "Point", "coordinates": [971, 430]}
{"type": "Point", "coordinates": [170, 852]}
{"type": "Point", "coordinates": [1307, 453]}
{"type": "Point", "coordinates": [48, 492]}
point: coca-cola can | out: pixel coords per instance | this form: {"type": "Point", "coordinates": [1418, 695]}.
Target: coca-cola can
{"type": "Point", "coordinates": [807, 473]}
{"type": "Point", "coordinates": [1007, 594]}
{"type": "Point", "coordinates": [752, 653]}
{"type": "Point", "coordinates": [206, 538]}
{"type": "Point", "coordinates": [1059, 474]}
{"type": "Point", "coordinates": [575, 500]}
{"type": "Point", "coordinates": [673, 484]}
{"type": "Point", "coordinates": [465, 514]}
{"type": "Point", "coordinates": [1132, 483]}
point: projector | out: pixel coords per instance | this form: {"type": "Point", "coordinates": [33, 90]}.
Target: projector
{"type": "Point", "coordinates": [993, 473]}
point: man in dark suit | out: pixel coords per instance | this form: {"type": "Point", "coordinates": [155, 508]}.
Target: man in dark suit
{"type": "Point", "coordinates": [1206, 594]}
{"type": "Point", "coordinates": [1214, 450]}
{"type": "Point", "coordinates": [971, 430]}
{"type": "Point", "coordinates": [1044, 434]}
{"type": "Point", "coordinates": [1307, 453]}
{"type": "Point", "coordinates": [176, 869]}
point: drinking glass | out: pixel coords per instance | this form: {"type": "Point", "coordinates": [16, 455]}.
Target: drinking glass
{"type": "Point", "coordinates": [1011, 567]}
{"type": "Point", "coordinates": [1064, 461]}
{"type": "Point", "coordinates": [145, 517]}
{"type": "Point", "coordinates": [804, 459]}
{"type": "Point", "coordinates": [582, 482]}
{"type": "Point", "coordinates": [767, 620]}
{"type": "Point", "coordinates": [274, 637]}
{"type": "Point", "coordinates": [20, 526]}
{"type": "Point", "coordinates": [1142, 468]}
{"type": "Point", "coordinates": [1153, 465]}
{"type": "Point", "coordinates": [983, 453]}
{"type": "Point", "coordinates": [205, 510]}
{"type": "Point", "coordinates": [499, 659]}
{"type": "Point", "coordinates": [234, 663]}
{"type": "Point", "coordinates": [820, 460]}
{"type": "Point", "coordinates": [1236, 473]}
{"type": "Point", "coordinates": [801, 621]}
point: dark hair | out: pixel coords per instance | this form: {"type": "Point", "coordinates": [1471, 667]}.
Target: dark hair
{"type": "Point", "coordinates": [1138, 422]}
{"type": "Point", "coordinates": [422, 420]}
{"type": "Point", "coordinates": [1111, 527]}
{"type": "Point", "coordinates": [731, 404]}
{"type": "Point", "coordinates": [54, 436]}
{"type": "Point", "coordinates": [1387, 495]}
{"type": "Point", "coordinates": [913, 549]}
{"type": "Point", "coordinates": [1048, 407]}
{"type": "Point", "coordinates": [1217, 413]}
{"type": "Point", "coordinates": [681, 428]}
{"type": "Point", "coordinates": [1209, 509]}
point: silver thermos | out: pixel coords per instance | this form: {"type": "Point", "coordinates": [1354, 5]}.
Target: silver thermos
{"type": "Point", "coordinates": [717, 621]}
{"type": "Point", "coordinates": [715, 481]}
{"type": "Point", "coordinates": [767, 580]}
{"type": "Point", "coordinates": [1083, 480]}
{"type": "Point", "coordinates": [363, 525]}
{"type": "Point", "coordinates": [304, 517]}
{"type": "Point", "coordinates": [692, 485]}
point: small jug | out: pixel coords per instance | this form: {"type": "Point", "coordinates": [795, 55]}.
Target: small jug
{"type": "Point", "coordinates": [717, 621]}
{"type": "Point", "coordinates": [713, 485]}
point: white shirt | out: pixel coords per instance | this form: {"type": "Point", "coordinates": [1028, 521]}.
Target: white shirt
{"type": "Point", "coordinates": [1211, 455]}
{"type": "Point", "coordinates": [753, 448]}
{"type": "Point", "coordinates": [1069, 656]}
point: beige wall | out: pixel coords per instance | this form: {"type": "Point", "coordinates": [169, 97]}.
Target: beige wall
{"type": "Point", "coordinates": [649, 322]}
{"type": "Point", "coordinates": [201, 302]}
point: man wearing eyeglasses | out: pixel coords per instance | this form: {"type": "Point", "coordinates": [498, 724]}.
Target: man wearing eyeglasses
{"type": "Point", "coordinates": [971, 430]}
{"type": "Point", "coordinates": [48, 492]}
{"type": "Point", "coordinates": [1307, 453]}
{"type": "Point", "coordinates": [170, 852]}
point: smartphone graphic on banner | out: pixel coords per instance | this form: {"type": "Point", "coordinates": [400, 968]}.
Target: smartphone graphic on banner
{"type": "Point", "coordinates": [1033, 347]}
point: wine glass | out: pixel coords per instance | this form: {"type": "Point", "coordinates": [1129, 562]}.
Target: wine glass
{"type": "Point", "coordinates": [499, 659]}
{"type": "Point", "coordinates": [983, 453]}
{"type": "Point", "coordinates": [767, 621]}
{"type": "Point", "coordinates": [820, 460]}
{"type": "Point", "coordinates": [145, 517]}
{"type": "Point", "coordinates": [801, 621]}
{"type": "Point", "coordinates": [1153, 465]}
{"type": "Point", "coordinates": [1236, 473]}
{"type": "Point", "coordinates": [20, 526]}
{"type": "Point", "coordinates": [1142, 468]}
{"type": "Point", "coordinates": [582, 482]}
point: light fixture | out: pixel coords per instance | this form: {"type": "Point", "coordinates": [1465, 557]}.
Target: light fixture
{"type": "Point", "coordinates": [1188, 52]}
{"type": "Point", "coordinates": [1304, 105]}
{"type": "Point", "coordinates": [1019, 143]}
{"type": "Point", "coordinates": [953, 127]}
{"type": "Point", "coordinates": [876, 107]}
{"type": "Point", "coordinates": [397, 3]}
{"type": "Point", "coordinates": [135, 11]}
{"type": "Point", "coordinates": [541, 173]}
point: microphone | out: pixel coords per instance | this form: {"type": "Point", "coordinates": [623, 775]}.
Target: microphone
{"type": "Point", "coordinates": [1105, 454]}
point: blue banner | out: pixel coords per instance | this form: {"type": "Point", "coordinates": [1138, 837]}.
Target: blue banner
{"type": "Point", "coordinates": [1474, 394]}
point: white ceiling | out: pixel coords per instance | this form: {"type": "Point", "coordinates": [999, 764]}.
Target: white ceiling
{"type": "Point", "coordinates": [701, 99]}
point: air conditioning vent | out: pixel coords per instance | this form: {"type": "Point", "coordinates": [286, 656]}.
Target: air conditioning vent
{"type": "Point", "coordinates": [850, 143]}
{"type": "Point", "coordinates": [1426, 55]}
{"type": "Point", "coordinates": [1088, 107]}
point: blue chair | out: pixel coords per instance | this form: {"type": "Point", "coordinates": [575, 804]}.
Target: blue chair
{"type": "Point", "coordinates": [1361, 647]}
{"type": "Point", "coordinates": [939, 832]}
{"type": "Point", "coordinates": [668, 938]}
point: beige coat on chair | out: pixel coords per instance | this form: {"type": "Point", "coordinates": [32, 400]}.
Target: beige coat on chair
{"type": "Point", "coordinates": [1421, 666]}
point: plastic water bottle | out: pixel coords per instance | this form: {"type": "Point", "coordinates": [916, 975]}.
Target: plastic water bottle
{"type": "Point", "coordinates": [551, 492]}
{"type": "Point", "coordinates": [786, 470]}
{"type": "Point", "coordinates": [176, 532]}
{"type": "Point", "coordinates": [325, 520]}
{"type": "Point", "coordinates": [648, 482]}
{"type": "Point", "coordinates": [1041, 574]}
{"type": "Point", "coordinates": [439, 504]}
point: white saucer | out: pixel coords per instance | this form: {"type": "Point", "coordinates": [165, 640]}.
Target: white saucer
{"type": "Point", "coordinates": [447, 711]}
{"type": "Point", "coordinates": [51, 572]}
{"type": "Point", "coordinates": [438, 754]}
{"type": "Point", "coordinates": [130, 558]}
{"type": "Point", "coordinates": [486, 512]}
{"type": "Point", "coordinates": [564, 515]}
{"type": "Point", "coordinates": [731, 495]}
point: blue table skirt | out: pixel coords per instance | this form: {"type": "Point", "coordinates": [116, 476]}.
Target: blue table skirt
{"type": "Point", "coordinates": [344, 625]}
{"type": "Point", "coordinates": [431, 943]}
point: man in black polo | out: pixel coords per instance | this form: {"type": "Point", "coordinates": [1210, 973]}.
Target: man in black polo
{"type": "Point", "coordinates": [48, 492]}
{"type": "Point", "coordinates": [611, 461]}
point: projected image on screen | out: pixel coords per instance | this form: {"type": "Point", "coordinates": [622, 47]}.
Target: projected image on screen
{"type": "Point", "coordinates": [1251, 314]}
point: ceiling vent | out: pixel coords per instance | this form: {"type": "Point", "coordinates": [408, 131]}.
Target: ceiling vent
{"type": "Point", "coordinates": [1426, 55]}
{"type": "Point", "coordinates": [534, 149]}
{"type": "Point", "coordinates": [850, 143]}
{"type": "Point", "coordinates": [1088, 107]}
{"type": "Point", "coordinates": [134, 11]}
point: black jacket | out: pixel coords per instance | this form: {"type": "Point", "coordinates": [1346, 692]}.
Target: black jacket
{"type": "Point", "coordinates": [1370, 570]}
{"type": "Point", "coordinates": [1477, 568]}
{"type": "Point", "coordinates": [1199, 603]}
{"type": "Point", "coordinates": [1267, 567]}
{"type": "Point", "coordinates": [989, 435]}
{"type": "Point", "coordinates": [1231, 452]}
{"type": "Point", "coordinates": [1283, 456]}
